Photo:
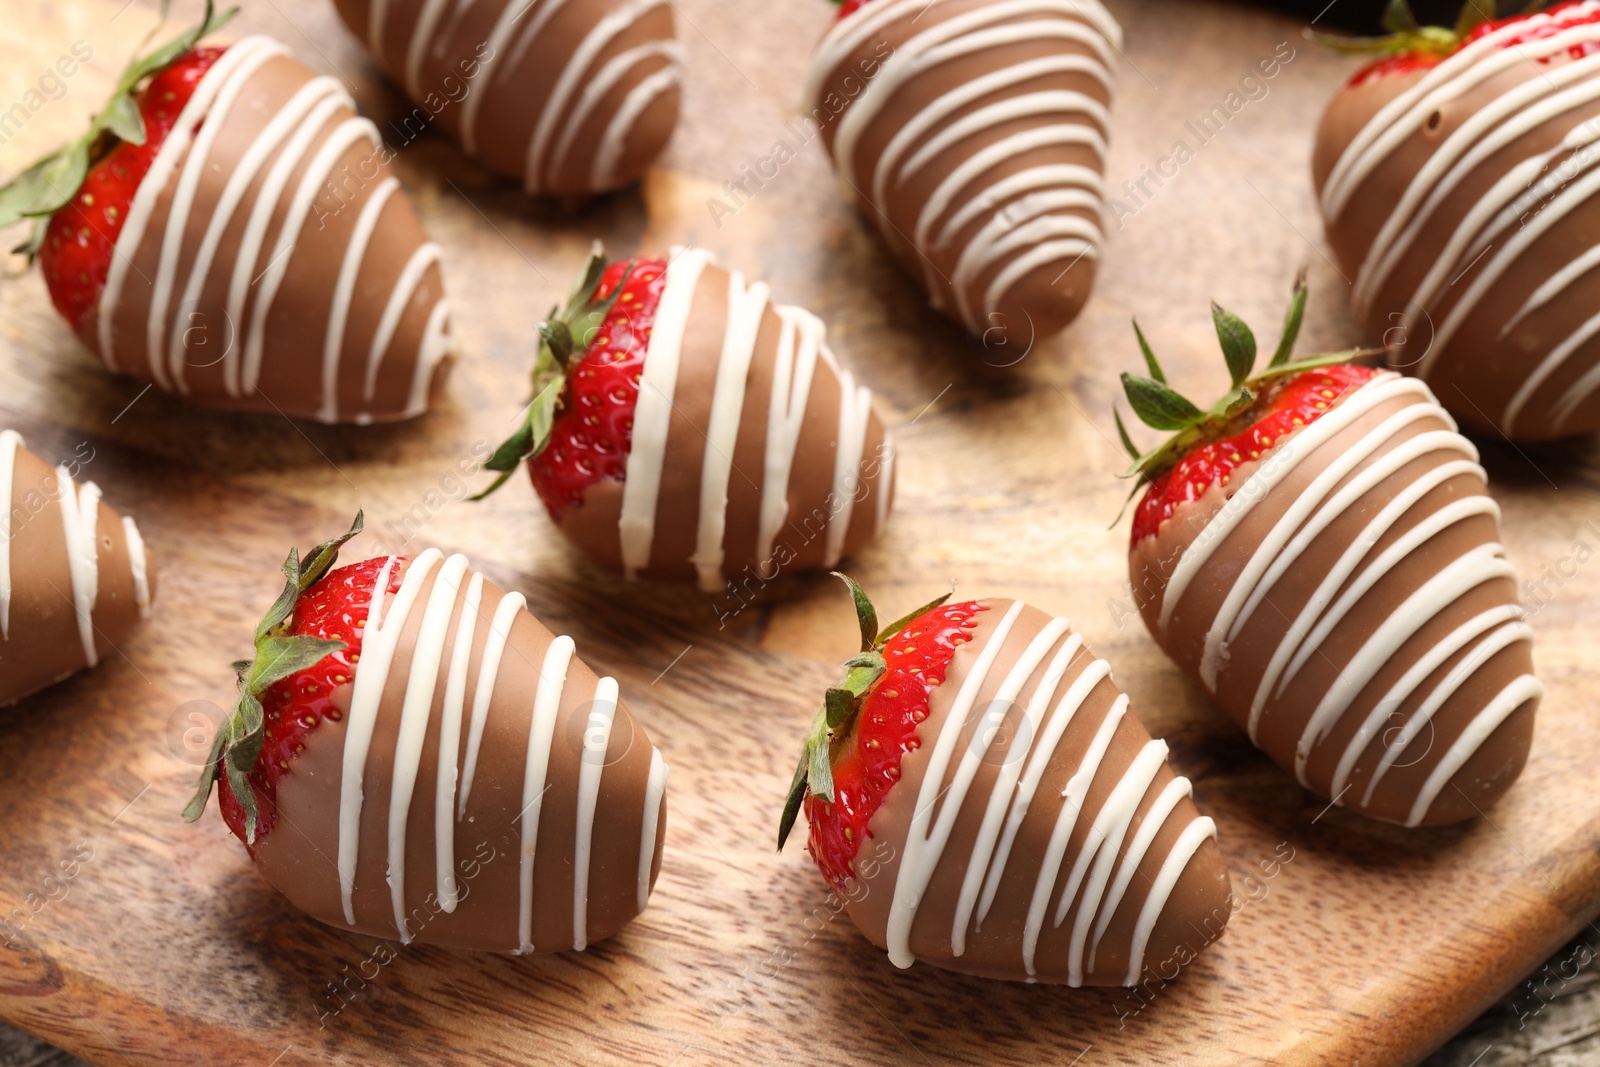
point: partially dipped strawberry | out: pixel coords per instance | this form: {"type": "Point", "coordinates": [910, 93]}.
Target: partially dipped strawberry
{"type": "Point", "coordinates": [980, 796]}
{"type": "Point", "coordinates": [226, 230]}
{"type": "Point", "coordinates": [1319, 550]}
{"type": "Point", "coordinates": [404, 701]}
{"type": "Point", "coordinates": [1455, 181]}
{"type": "Point", "coordinates": [685, 427]}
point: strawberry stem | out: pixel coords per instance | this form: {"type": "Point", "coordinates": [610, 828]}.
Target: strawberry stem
{"type": "Point", "coordinates": [1161, 407]}
{"type": "Point", "coordinates": [813, 774]}
{"type": "Point", "coordinates": [279, 654]}
{"type": "Point", "coordinates": [50, 184]}
{"type": "Point", "coordinates": [567, 332]}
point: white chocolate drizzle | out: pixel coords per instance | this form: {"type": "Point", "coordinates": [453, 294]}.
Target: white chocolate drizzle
{"type": "Point", "coordinates": [591, 69]}
{"type": "Point", "coordinates": [80, 535]}
{"type": "Point", "coordinates": [1043, 214]}
{"type": "Point", "coordinates": [1368, 465]}
{"type": "Point", "coordinates": [308, 135]}
{"type": "Point", "coordinates": [1096, 870]}
{"type": "Point", "coordinates": [455, 596]}
{"type": "Point", "coordinates": [801, 346]}
{"type": "Point", "coordinates": [1521, 200]}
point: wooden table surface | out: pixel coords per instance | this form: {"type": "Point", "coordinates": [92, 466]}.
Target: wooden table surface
{"type": "Point", "coordinates": [1373, 945]}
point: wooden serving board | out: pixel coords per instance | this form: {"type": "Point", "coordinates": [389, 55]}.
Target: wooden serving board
{"type": "Point", "coordinates": [141, 940]}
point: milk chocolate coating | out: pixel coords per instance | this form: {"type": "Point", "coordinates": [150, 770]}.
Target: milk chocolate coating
{"type": "Point", "coordinates": [45, 638]}
{"type": "Point", "coordinates": [299, 855]}
{"type": "Point", "coordinates": [270, 262]}
{"type": "Point", "coordinates": [571, 97]}
{"type": "Point", "coordinates": [1138, 864]}
{"type": "Point", "coordinates": [974, 135]}
{"type": "Point", "coordinates": [1353, 576]}
{"type": "Point", "coordinates": [1461, 201]}
{"type": "Point", "coordinates": [829, 471]}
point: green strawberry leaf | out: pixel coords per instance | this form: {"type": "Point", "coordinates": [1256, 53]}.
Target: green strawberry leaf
{"type": "Point", "coordinates": [840, 705]}
{"type": "Point", "coordinates": [1291, 322]}
{"type": "Point", "coordinates": [1157, 405]}
{"type": "Point", "coordinates": [1150, 360]}
{"type": "Point", "coordinates": [278, 655]}
{"type": "Point", "coordinates": [1238, 343]}
{"type": "Point", "coordinates": [866, 615]}
{"type": "Point", "coordinates": [1122, 433]}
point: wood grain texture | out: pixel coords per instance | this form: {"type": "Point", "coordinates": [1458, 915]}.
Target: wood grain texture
{"type": "Point", "coordinates": [1372, 944]}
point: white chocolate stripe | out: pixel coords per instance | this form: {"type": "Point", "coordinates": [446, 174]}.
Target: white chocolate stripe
{"type": "Point", "coordinates": [1107, 834]}
{"type": "Point", "coordinates": [1056, 850]}
{"type": "Point", "coordinates": [446, 889]}
{"type": "Point", "coordinates": [1474, 143]}
{"type": "Point", "coordinates": [1039, 757]}
{"type": "Point", "coordinates": [138, 563]}
{"type": "Point", "coordinates": [614, 139]}
{"type": "Point", "coordinates": [1392, 557]}
{"type": "Point", "coordinates": [1452, 78]}
{"type": "Point", "coordinates": [1194, 835]}
{"type": "Point", "coordinates": [793, 367]}
{"type": "Point", "coordinates": [1520, 691]}
{"type": "Point", "coordinates": [1346, 565]}
{"type": "Point", "coordinates": [427, 255]}
{"type": "Point", "coordinates": [421, 684]}
{"type": "Point", "coordinates": [1275, 468]}
{"type": "Point", "coordinates": [1149, 827]}
{"type": "Point", "coordinates": [80, 513]}
{"type": "Point", "coordinates": [80, 510]}
{"type": "Point", "coordinates": [1490, 647]}
{"type": "Point", "coordinates": [155, 180]}
{"type": "Point", "coordinates": [931, 117]}
{"type": "Point", "coordinates": [344, 136]}
{"type": "Point", "coordinates": [195, 165]}
{"type": "Point", "coordinates": [925, 839]}
{"type": "Point", "coordinates": [606, 79]}
{"type": "Point", "coordinates": [280, 127]}
{"type": "Point", "coordinates": [1482, 564]}
{"type": "Point", "coordinates": [655, 790]}
{"type": "Point", "coordinates": [652, 416]}
{"type": "Point", "coordinates": [506, 614]}
{"type": "Point", "coordinates": [344, 294]}
{"type": "Point", "coordinates": [1000, 708]}
{"type": "Point", "coordinates": [380, 638]}
{"type": "Point", "coordinates": [596, 740]}
{"type": "Point", "coordinates": [556, 108]}
{"type": "Point", "coordinates": [746, 309]}
{"type": "Point", "coordinates": [855, 416]}
{"type": "Point", "coordinates": [240, 376]}
{"type": "Point", "coordinates": [541, 734]}
{"type": "Point", "coordinates": [10, 441]}
{"type": "Point", "coordinates": [1307, 517]}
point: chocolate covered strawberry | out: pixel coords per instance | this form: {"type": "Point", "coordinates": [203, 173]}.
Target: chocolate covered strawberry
{"type": "Point", "coordinates": [74, 576]}
{"type": "Point", "coordinates": [577, 97]}
{"type": "Point", "coordinates": [685, 427]}
{"type": "Point", "coordinates": [1319, 550]}
{"type": "Point", "coordinates": [414, 756]}
{"type": "Point", "coordinates": [980, 795]}
{"type": "Point", "coordinates": [227, 230]}
{"type": "Point", "coordinates": [974, 136]}
{"type": "Point", "coordinates": [1458, 188]}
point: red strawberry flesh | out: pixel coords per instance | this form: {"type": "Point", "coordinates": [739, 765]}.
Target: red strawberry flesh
{"type": "Point", "coordinates": [1558, 19]}
{"type": "Point", "coordinates": [334, 607]}
{"type": "Point", "coordinates": [1291, 403]}
{"type": "Point", "coordinates": [866, 762]}
{"type": "Point", "coordinates": [592, 434]}
{"type": "Point", "coordinates": [82, 236]}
